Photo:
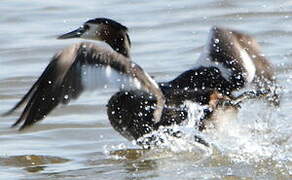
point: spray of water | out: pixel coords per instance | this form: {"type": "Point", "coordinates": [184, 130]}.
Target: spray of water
{"type": "Point", "coordinates": [257, 134]}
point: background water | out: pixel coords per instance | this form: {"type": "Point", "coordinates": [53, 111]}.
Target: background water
{"type": "Point", "coordinates": [77, 141]}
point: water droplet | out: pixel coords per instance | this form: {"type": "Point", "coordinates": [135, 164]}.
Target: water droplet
{"type": "Point", "coordinates": [66, 96]}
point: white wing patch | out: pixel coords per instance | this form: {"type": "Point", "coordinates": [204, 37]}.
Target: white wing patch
{"type": "Point", "coordinates": [248, 65]}
{"type": "Point", "coordinates": [97, 76]}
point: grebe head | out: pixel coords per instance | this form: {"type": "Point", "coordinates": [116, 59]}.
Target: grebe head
{"type": "Point", "coordinates": [103, 29]}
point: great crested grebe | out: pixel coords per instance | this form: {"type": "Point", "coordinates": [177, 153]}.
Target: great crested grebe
{"type": "Point", "coordinates": [230, 61]}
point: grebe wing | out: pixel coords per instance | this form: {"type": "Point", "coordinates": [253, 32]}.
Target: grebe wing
{"type": "Point", "coordinates": [225, 52]}
{"type": "Point", "coordinates": [229, 61]}
{"type": "Point", "coordinates": [264, 69]}
{"type": "Point", "coordinates": [239, 59]}
{"type": "Point", "coordinates": [80, 67]}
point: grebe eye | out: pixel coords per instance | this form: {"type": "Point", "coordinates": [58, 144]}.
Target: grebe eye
{"type": "Point", "coordinates": [86, 27]}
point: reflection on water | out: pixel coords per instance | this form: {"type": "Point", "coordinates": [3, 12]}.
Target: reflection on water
{"type": "Point", "coordinates": [31, 163]}
{"type": "Point", "coordinates": [78, 142]}
{"type": "Point", "coordinates": [130, 154]}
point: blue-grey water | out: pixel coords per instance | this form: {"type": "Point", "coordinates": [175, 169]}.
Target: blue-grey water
{"type": "Point", "coordinates": [77, 141]}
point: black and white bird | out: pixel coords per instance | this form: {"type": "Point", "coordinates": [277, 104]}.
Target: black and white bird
{"type": "Point", "coordinates": [230, 61]}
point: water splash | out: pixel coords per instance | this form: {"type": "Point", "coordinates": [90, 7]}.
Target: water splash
{"type": "Point", "coordinates": [195, 114]}
{"type": "Point", "coordinates": [175, 138]}
{"type": "Point", "coordinates": [256, 135]}
{"type": "Point", "coordinates": [259, 135]}
{"type": "Point", "coordinates": [180, 138]}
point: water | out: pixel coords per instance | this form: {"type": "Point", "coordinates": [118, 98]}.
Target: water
{"type": "Point", "coordinates": [78, 142]}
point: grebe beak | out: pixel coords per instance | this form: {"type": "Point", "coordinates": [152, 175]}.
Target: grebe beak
{"type": "Point", "coordinates": [74, 34]}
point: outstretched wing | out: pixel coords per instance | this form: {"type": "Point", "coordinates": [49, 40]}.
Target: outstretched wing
{"type": "Point", "coordinates": [229, 61]}
{"type": "Point", "coordinates": [226, 52]}
{"type": "Point", "coordinates": [78, 68]}
{"type": "Point", "coordinates": [240, 61]}
{"type": "Point", "coordinates": [236, 54]}
{"type": "Point", "coordinates": [264, 68]}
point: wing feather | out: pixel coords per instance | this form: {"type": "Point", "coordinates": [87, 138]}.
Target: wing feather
{"type": "Point", "coordinates": [225, 52]}
{"type": "Point", "coordinates": [78, 68]}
